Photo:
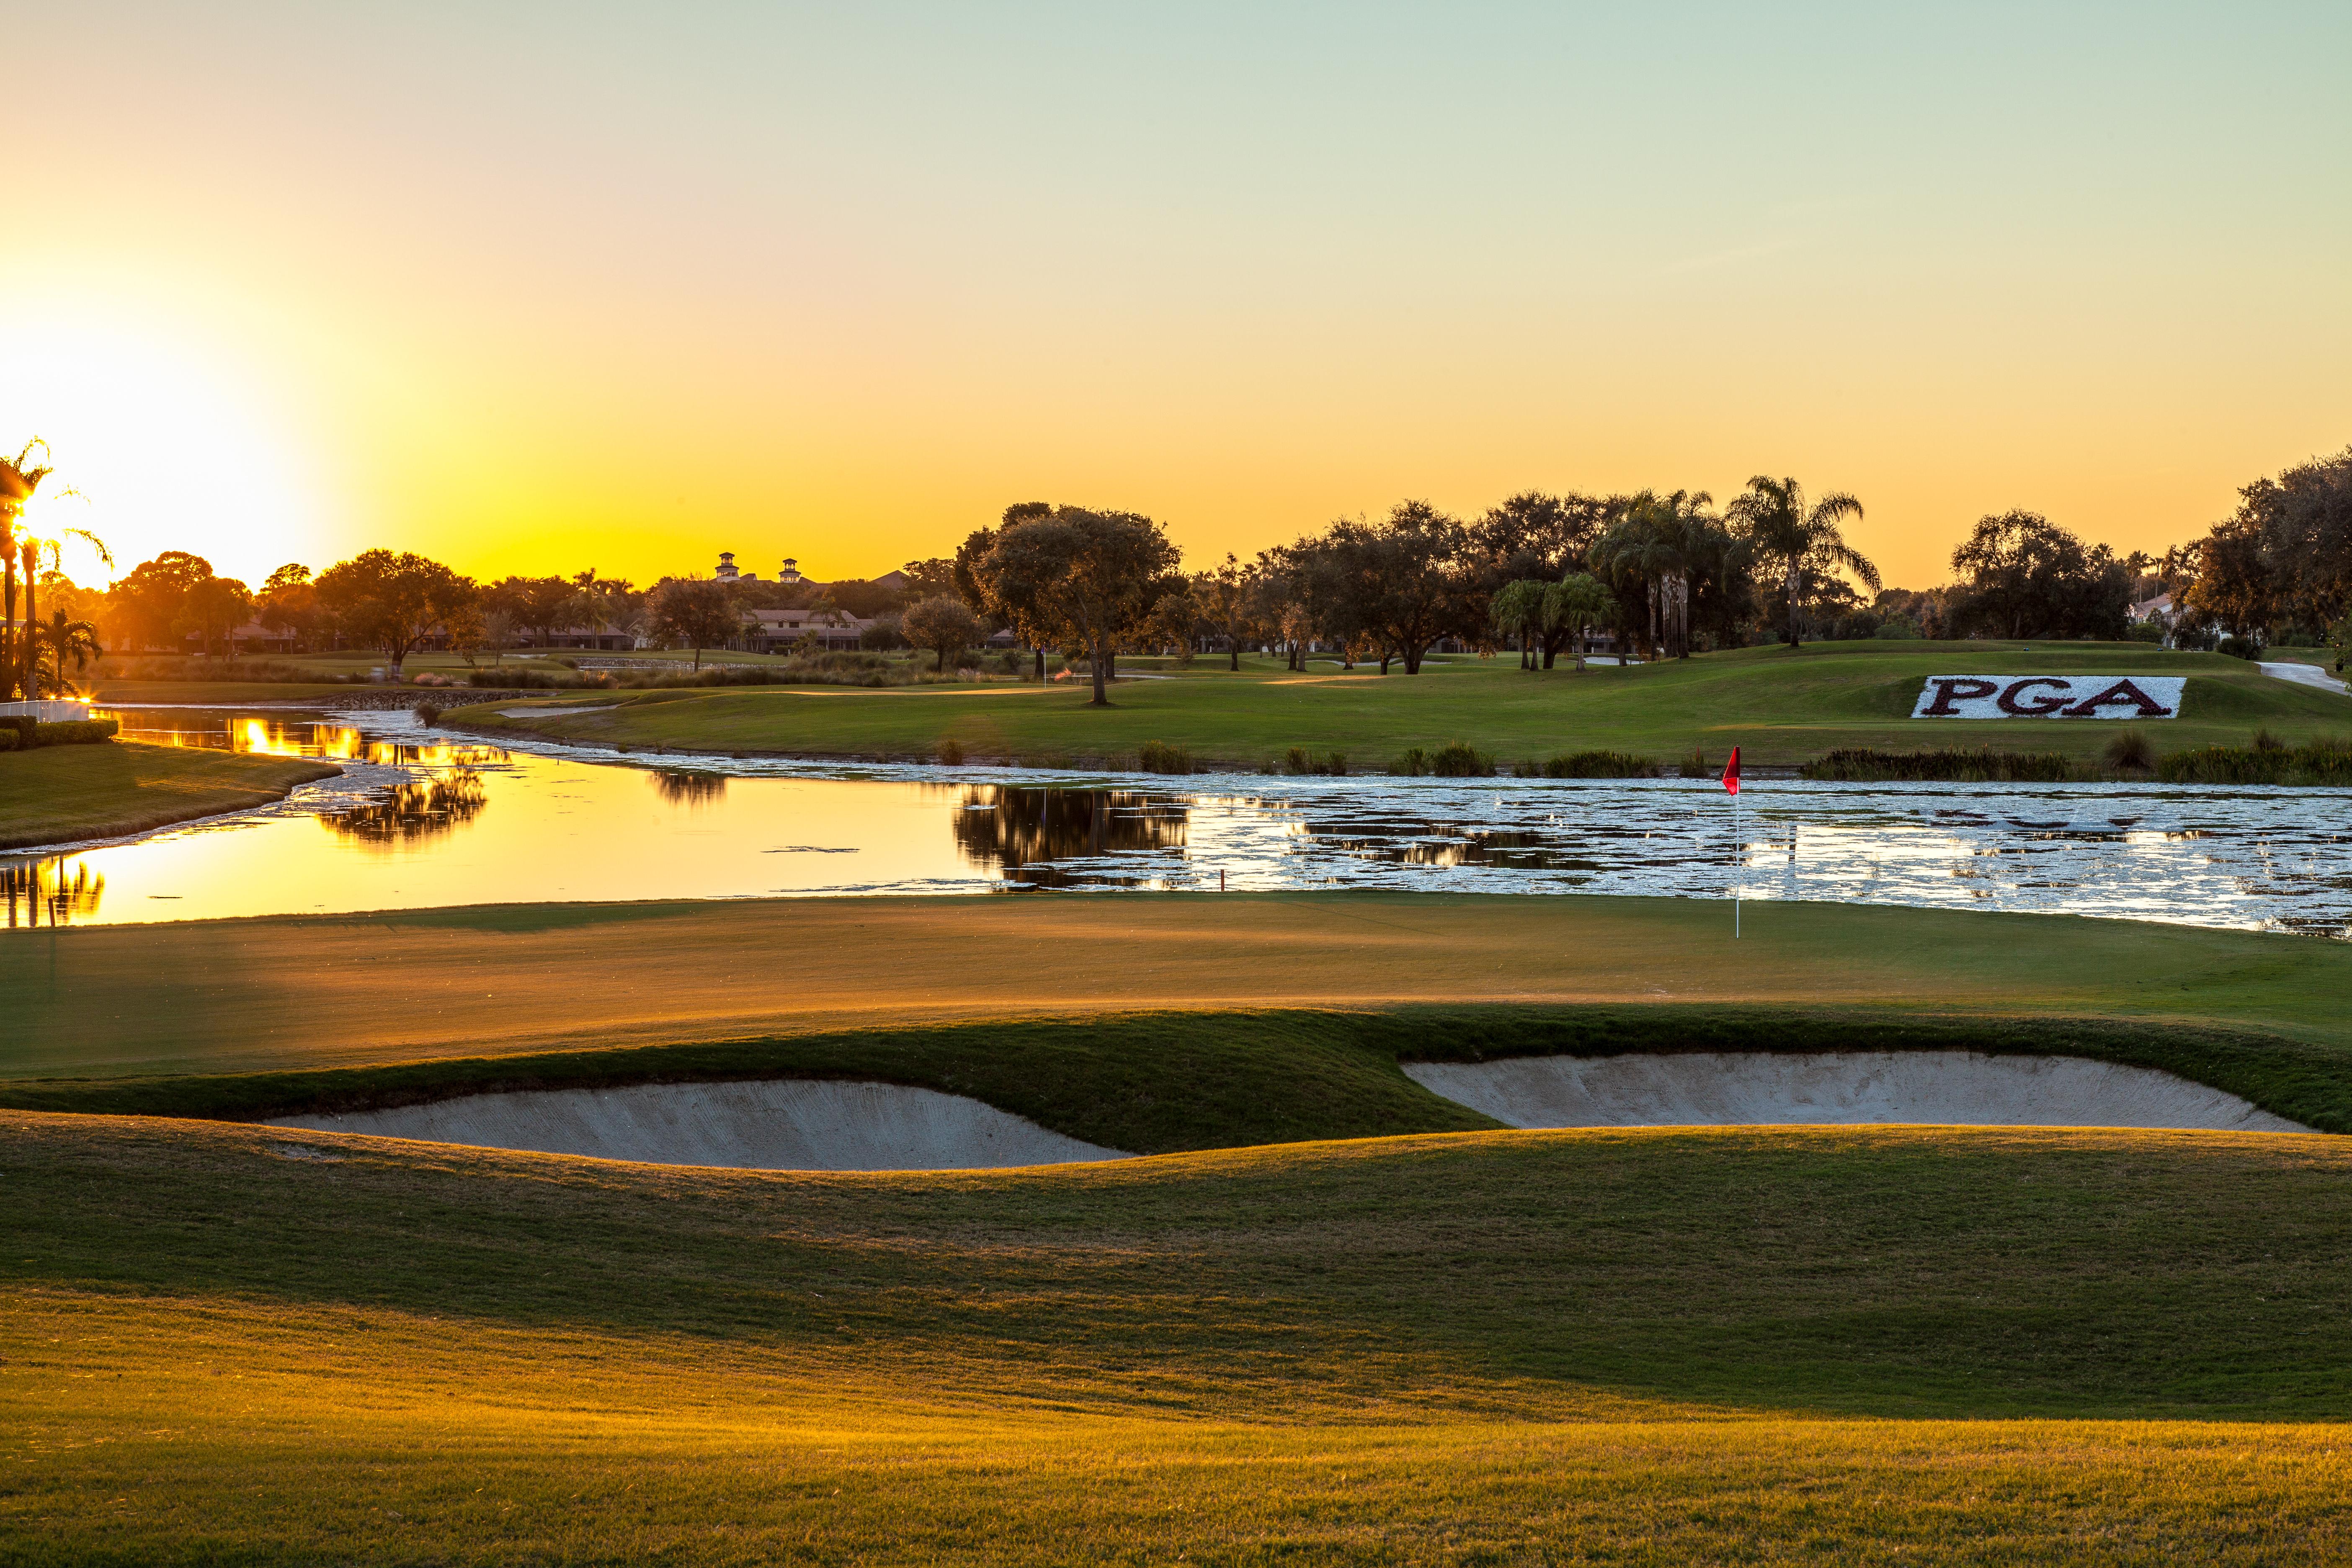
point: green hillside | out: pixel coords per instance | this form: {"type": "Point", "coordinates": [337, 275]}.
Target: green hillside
{"type": "Point", "coordinates": [1783, 707]}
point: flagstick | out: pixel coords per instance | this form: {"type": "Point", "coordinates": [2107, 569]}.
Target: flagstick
{"type": "Point", "coordinates": [1735, 867]}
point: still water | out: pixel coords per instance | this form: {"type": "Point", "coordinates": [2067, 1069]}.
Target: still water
{"type": "Point", "coordinates": [421, 819]}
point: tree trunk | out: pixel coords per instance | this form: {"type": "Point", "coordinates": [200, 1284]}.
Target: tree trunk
{"type": "Point", "coordinates": [1098, 657]}
{"type": "Point", "coordinates": [8, 631]}
{"type": "Point", "coordinates": [32, 644]}
{"type": "Point", "coordinates": [1579, 650]}
{"type": "Point", "coordinates": [1412, 656]}
{"type": "Point", "coordinates": [1041, 667]}
{"type": "Point", "coordinates": [1233, 648]}
{"type": "Point", "coordinates": [1791, 585]}
{"type": "Point", "coordinates": [698, 655]}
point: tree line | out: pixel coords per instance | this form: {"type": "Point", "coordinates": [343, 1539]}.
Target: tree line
{"type": "Point", "coordinates": [2278, 569]}
{"type": "Point", "coordinates": [1662, 573]}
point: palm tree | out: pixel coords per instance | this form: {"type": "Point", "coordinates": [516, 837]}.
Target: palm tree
{"type": "Point", "coordinates": [1773, 517]}
{"type": "Point", "coordinates": [65, 639]}
{"type": "Point", "coordinates": [1582, 601]}
{"type": "Point", "coordinates": [18, 481]}
{"type": "Point", "coordinates": [1658, 543]}
{"type": "Point", "coordinates": [1525, 609]}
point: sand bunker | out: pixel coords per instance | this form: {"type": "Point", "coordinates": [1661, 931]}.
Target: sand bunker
{"type": "Point", "coordinates": [772, 1125]}
{"type": "Point", "coordinates": [1942, 1088]}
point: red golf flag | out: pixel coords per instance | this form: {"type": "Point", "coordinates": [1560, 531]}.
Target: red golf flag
{"type": "Point", "coordinates": [1731, 772]}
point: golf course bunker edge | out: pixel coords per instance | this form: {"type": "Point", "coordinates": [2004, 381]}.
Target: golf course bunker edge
{"type": "Point", "coordinates": [769, 1124]}
{"type": "Point", "coordinates": [1954, 1088]}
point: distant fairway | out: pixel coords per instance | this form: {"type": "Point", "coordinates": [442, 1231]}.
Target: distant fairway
{"type": "Point", "coordinates": [233, 1345]}
{"type": "Point", "coordinates": [1782, 707]}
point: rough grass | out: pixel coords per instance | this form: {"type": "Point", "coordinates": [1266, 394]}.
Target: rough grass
{"type": "Point", "coordinates": [1782, 708]}
{"type": "Point", "coordinates": [58, 793]}
{"type": "Point", "coordinates": [232, 1344]}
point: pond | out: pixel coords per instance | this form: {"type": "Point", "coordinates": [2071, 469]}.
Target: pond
{"type": "Point", "coordinates": [425, 819]}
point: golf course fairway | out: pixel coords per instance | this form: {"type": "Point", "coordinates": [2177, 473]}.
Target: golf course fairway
{"type": "Point", "coordinates": [1781, 705]}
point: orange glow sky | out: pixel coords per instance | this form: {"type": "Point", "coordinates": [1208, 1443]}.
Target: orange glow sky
{"type": "Point", "coordinates": [533, 288]}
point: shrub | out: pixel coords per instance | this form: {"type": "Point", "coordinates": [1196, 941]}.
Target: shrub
{"type": "Point", "coordinates": [2131, 752]}
{"type": "Point", "coordinates": [1694, 766]}
{"type": "Point", "coordinates": [1902, 629]}
{"type": "Point", "coordinates": [2239, 648]}
{"type": "Point", "coordinates": [1980, 766]}
{"type": "Point", "coordinates": [1158, 757]}
{"type": "Point", "coordinates": [74, 733]}
{"type": "Point", "coordinates": [2143, 631]}
{"type": "Point", "coordinates": [2323, 763]}
{"type": "Point", "coordinates": [950, 753]}
{"type": "Point", "coordinates": [7, 737]}
{"type": "Point", "coordinates": [1601, 766]}
{"type": "Point", "coordinates": [2266, 742]}
{"type": "Point", "coordinates": [1412, 764]}
{"type": "Point", "coordinates": [1458, 760]}
{"type": "Point", "coordinates": [427, 712]}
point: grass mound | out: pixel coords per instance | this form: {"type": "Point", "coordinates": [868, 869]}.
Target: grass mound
{"type": "Point", "coordinates": [232, 1343]}
{"type": "Point", "coordinates": [1167, 1082]}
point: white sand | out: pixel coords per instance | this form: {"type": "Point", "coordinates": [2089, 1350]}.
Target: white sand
{"type": "Point", "coordinates": [772, 1125]}
{"type": "Point", "coordinates": [2304, 675]}
{"type": "Point", "coordinates": [1939, 1088]}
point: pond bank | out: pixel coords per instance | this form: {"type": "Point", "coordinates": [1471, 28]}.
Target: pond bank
{"type": "Point", "coordinates": [60, 794]}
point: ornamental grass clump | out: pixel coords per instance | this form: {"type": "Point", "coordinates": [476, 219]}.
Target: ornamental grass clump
{"type": "Point", "coordinates": [1159, 757]}
{"type": "Point", "coordinates": [1459, 759]}
{"type": "Point", "coordinates": [1696, 766]}
{"type": "Point", "coordinates": [1300, 761]}
{"type": "Point", "coordinates": [1599, 765]}
{"type": "Point", "coordinates": [1983, 765]}
{"type": "Point", "coordinates": [950, 752]}
{"type": "Point", "coordinates": [2131, 752]}
{"type": "Point", "coordinates": [2324, 764]}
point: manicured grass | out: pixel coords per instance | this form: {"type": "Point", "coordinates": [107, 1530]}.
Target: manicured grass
{"type": "Point", "coordinates": [303, 995]}
{"type": "Point", "coordinates": [58, 793]}
{"type": "Point", "coordinates": [235, 1344]}
{"type": "Point", "coordinates": [1782, 707]}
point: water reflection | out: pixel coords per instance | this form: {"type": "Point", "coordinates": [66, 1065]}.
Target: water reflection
{"type": "Point", "coordinates": [293, 736]}
{"type": "Point", "coordinates": [1025, 833]}
{"type": "Point", "coordinates": [572, 828]}
{"type": "Point", "coordinates": [425, 808]}
{"type": "Point", "coordinates": [58, 892]}
{"type": "Point", "coordinates": [689, 786]}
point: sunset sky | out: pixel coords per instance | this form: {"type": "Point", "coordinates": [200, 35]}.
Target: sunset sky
{"type": "Point", "coordinates": [538, 287]}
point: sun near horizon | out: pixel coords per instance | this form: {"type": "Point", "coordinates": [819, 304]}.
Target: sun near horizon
{"type": "Point", "coordinates": [533, 298]}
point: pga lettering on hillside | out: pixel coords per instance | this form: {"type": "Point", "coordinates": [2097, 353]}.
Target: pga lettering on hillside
{"type": "Point", "coordinates": [2049, 697]}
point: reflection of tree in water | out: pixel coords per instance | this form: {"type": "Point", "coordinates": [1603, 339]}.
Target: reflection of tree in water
{"type": "Point", "coordinates": [1023, 831]}
{"type": "Point", "coordinates": [49, 892]}
{"type": "Point", "coordinates": [418, 809]}
{"type": "Point", "coordinates": [1421, 842]}
{"type": "Point", "coordinates": [689, 786]}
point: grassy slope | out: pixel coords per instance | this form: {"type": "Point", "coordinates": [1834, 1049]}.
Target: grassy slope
{"type": "Point", "coordinates": [1645, 1346]}
{"type": "Point", "coordinates": [56, 793]}
{"type": "Point", "coordinates": [303, 995]}
{"type": "Point", "coordinates": [1783, 707]}
{"type": "Point", "coordinates": [1159, 1083]}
